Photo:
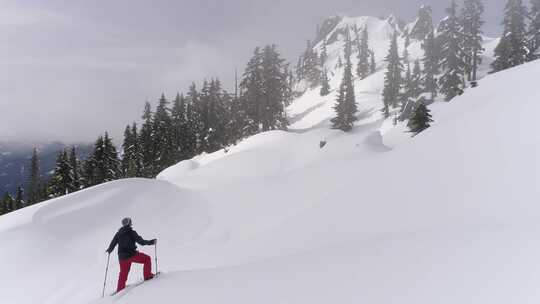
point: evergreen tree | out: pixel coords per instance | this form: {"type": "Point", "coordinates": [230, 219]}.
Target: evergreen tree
{"type": "Point", "coordinates": [112, 162]}
{"type": "Point", "coordinates": [373, 64]}
{"type": "Point", "coordinates": [252, 93]}
{"type": "Point", "coordinates": [324, 54]}
{"type": "Point", "coordinates": [300, 69]}
{"type": "Point", "coordinates": [163, 138]}
{"type": "Point", "coordinates": [431, 66]}
{"type": "Point", "coordinates": [19, 198]}
{"type": "Point", "coordinates": [75, 170]}
{"type": "Point", "coordinates": [452, 55]}
{"type": "Point", "coordinates": [34, 179]}
{"type": "Point", "coordinates": [62, 179]}
{"type": "Point", "coordinates": [471, 18]}
{"type": "Point", "coordinates": [325, 88]}
{"type": "Point", "coordinates": [103, 165]}
{"type": "Point", "coordinates": [363, 68]}
{"type": "Point", "coordinates": [407, 81]}
{"type": "Point", "coordinates": [346, 102]}
{"type": "Point", "coordinates": [146, 141]}
{"type": "Point", "coordinates": [43, 191]}
{"type": "Point", "coordinates": [131, 165]}
{"type": "Point", "coordinates": [265, 93]}
{"type": "Point", "coordinates": [534, 31]}
{"type": "Point", "coordinates": [137, 152]}
{"type": "Point", "coordinates": [423, 25]}
{"type": "Point", "coordinates": [237, 120]}
{"type": "Point", "coordinates": [421, 118]}
{"type": "Point", "coordinates": [194, 121]}
{"type": "Point", "coordinates": [275, 85]}
{"type": "Point", "coordinates": [339, 64]}
{"type": "Point", "coordinates": [512, 49]}
{"type": "Point", "coordinates": [216, 116]}
{"type": "Point", "coordinates": [290, 86]}
{"type": "Point", "coordinates": [416, 88]}
{"type": "Point", "coordinates": [7, 203]}
{"type": "Point", "coordinates": [89, 169]}
{"type": "Point", "coordinates": [393, 78]}
{"type": "Point", "coordinates": [311, 66]}
{"type": "Point", "coordinates": [179, 122]}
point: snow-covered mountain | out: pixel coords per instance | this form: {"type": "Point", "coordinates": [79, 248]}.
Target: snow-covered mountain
{"type": "Point", "coordinates": [374, 216]}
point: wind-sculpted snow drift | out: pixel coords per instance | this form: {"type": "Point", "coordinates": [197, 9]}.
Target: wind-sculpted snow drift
{"type": "Point", "coordinates": [450, 216]}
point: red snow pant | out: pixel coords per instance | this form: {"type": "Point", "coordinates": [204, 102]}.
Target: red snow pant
{"type": "Point", "coordinates": [125, 266]}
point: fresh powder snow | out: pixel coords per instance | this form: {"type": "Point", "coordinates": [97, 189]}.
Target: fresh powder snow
{"type": "Point", "coordinates": [375, 216]}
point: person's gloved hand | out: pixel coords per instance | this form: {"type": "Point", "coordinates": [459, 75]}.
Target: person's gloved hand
{"type": "Point", "coordinates": [154, 241]}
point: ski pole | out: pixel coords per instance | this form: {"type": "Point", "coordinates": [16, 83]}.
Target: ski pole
{"type": "Point", "coordinates": [155, 255]}
{"type": "Point", "coordinates": [106, 272]}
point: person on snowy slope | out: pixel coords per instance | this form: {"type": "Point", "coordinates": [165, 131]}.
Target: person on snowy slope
{"type": "Point", "coordinates": [126, 238]}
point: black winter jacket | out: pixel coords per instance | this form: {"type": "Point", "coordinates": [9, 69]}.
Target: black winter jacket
{"type": "Point", "coordinates": [126, 238]}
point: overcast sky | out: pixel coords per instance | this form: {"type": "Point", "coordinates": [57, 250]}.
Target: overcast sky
{"type": "Point", "coordinates": [72, 69]}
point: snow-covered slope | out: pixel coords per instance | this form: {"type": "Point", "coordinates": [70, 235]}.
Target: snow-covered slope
{"type": "Point", "coordinates": [312, 110]}
{"type": "Point", "coordinates": [375, 216]}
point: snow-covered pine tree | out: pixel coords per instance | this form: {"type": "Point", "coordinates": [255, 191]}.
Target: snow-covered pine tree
{"type": "Point", "coordinates": [372, 64]}
{"type": "Point", "coordinates": [414, 90]}
{"type": "Point", "coordinates": [103, 164]}
{"type": "Point", "coordinates": [289, 89]}
{"type": "Point", "coordinates": [393, 78]}
{"type": "Point", "coordinates": [19, 198]}
{"type": "Point", "coordinates": [471, 19]}
{"type": "Point", "coordinates": [129, 157]}
{"type": "Point", "coordinates": [75, 170]}
{"type": "Point", "coordinates": [534, 31]}
{"type": "Point", "coordinates": [339, 64]}
{"type": "Point", "coordinates": [416, 80]}
{"type": "Point", "coordinates": [300, 69]}
{"type": "Point", "coordinates": [252, 93]}
{"type": "Point", "coordinates": [62, 178]}
{"type": "Point", "coordinates": [137, 150]}
{"type": "Point", "coordinates": [163, 136]}
{"type": "Point", "coordinates": [194, 120]}
{"type": "Point", "coordinates": [126, 147]}
{"type": "Point", "coordinates": [420, 119]}
{"type": "Point", "coordinates": [453, 56]}
{"type": "Point", "coordinates": [407, 80]}
{"type": "Point", "coordinates": [7, 203]}
{"type": "Point", "coordinates": [146, 141]}
{"type": "Point", "coordinates": [431, 65]}
{"type": "Point", "coordinates": [512, 49]}
{"type": "Point", "coordinates": [180, 131]}
{"type": "Point", "coordinates": [275, 90]}
{"type": "Point", "coordinates": [34, 179]}
{"type": "Point", "coordinates": [237, 119]}
{"type": "Point", "coordinates": [423, 25]}
{"type": "Point", "coordinates": [112, 162]}
{"type": "Point", "coordinates": [311, 66]}
{"type": "Point", "coordinates": [363, 68]}
{"type": "Point", "coordinates": [346, 102]}
{"type": "Point", "coordinates": [325, 84]}
{"type": "Point", "coordinates": [216, 117]}
{"type": "Point", "coordinates": [265, 91]}
{"type": "Point", "coordinates": [324, 54]}
{"type": "Point", "coordinates": [203, 108]}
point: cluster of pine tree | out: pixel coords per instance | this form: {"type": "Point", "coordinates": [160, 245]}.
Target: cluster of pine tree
{"type": "Point", "coordinates": [346, 107]}
{"type": "Point", "coordinates": [520, 41]}
{"type": "Point", "coordinates": [346, 102]}
{"type": "Point", "coordinates": [202, 121]}
{"type": "Point", "coordinates": [9, 204]}
{"type": "Point", "coordinates": [452, 54]}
